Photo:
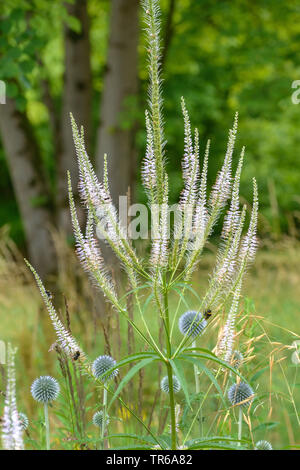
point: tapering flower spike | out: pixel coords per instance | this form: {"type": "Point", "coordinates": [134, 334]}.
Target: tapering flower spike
{"type": "Point", "coordinates": [89, 253]}
{"type": "Point", "coordinates": [11, 424]}
{"type": "Point", "coordinates": [97, 199]}
{"type": "Point", "coordinates": [151, 8]}
{"type": "Point", "coordinates": [149, 176]}
{"type": "Point", "coordinates": [189, 194]}
{"type": "Point", "coordinates": [249, 242]}
{"type": "Point", "coordinates": [160, 232]}
{"type": "Point", "coordinates": [222, 187]}
{"type": "Point", "coordinates": [64, 337]}
{"type": "Point", "coordinates": [225, 346]}
{"type": "Point", "coordinates": [232, 218]}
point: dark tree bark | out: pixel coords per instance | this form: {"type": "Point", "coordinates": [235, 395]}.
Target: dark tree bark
{"type": "Point", "coordinates": [29, 185]}
{"type": "Point", "coordinates": [168, 33]}
{"type": "Point", "coordinates": [22, 150]}
{"type": "Point", "coordinates": [120, 82]}
{"type": "Point", "coordinates": [77, 100]}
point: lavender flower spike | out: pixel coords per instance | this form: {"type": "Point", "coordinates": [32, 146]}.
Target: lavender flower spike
{"type": "Point", "coordinates": [12, 428]}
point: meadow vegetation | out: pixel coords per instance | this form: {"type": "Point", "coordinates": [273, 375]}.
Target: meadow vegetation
{"type": "Point", "coordinates": [272, 321]}
{"type": "Point", "coordinates": [188, 346]}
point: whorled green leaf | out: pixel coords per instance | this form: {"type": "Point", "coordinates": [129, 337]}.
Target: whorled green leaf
{"type": "Point", "coordinates": [143, 439]}
{"type": "Point", "coordinates": [213, 358]}
{"type": "Point", "coordinates": [218, 442]}
{"type": "Point", "coordinates": [210, 375]}
{"type": "Point", "coordinates": [129, 376]}
{"type": "Point", "coordinates": [178, 370]}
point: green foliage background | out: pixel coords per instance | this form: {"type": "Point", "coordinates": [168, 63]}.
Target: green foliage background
{"type": "Point", "coordinates": [223, 57]}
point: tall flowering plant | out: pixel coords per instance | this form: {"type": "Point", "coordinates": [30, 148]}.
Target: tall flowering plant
{"type": "Point", "coordinates": [173, 258]}
{"type": "Point", "coordinates": [12, 430]}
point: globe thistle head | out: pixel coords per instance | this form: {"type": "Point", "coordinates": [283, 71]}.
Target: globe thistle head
{"type": "Point", "coordinates": [45, 389]}
{"type": "Point", "coordinates": [101, 365]}
{"type": "Point", "coordinates": [240, 392]}
{"type": "Point", "coordinates": [263, 445]}
{"type": "Point", "coordinates": [237, 359]}
{"type": "Point", "coordinates": [98, 419]}
{"type": "Point", "coordinates": [191, 323]}
{"type": "Point", "coordinates": [164, 384]}
{"type": "Point", "coordinates": [23, 421]}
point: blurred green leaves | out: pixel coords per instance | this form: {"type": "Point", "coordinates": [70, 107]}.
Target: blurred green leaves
{"type": "Point", "coordinates": [223, 56]}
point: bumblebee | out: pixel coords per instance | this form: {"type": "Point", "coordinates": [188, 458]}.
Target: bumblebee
{"type": "Point", "coordinates": [207, 314]}
{"type": "Point", "coordinates": [49, 294]}
{"type": "Point", "coordinates": [76, 355]}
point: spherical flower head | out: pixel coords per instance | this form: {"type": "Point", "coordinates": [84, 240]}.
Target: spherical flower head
{"type": "Point", "coordinates": [263, 445]}
{"type": "Point", "coordinates": [164, 384]}
{"type": "Point", "coordinates": [101, 365]}
{"type": "Point", "coordinates": [23, 421]}
{"type": "Point", "coordinates": [45, 389]}
{"type": "Point", "coordinates": [237, 359]}
{"type": "Point", "coordinates": [240, 392]}
{"type": "Point", "coordinates": [98, 419]}
{"type": "Point", "coordinates": [191, 323]}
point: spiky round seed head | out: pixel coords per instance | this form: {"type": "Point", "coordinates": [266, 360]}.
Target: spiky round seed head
{"type": "Point", "coordinates": [237, 359]}
{"type": "Point", "coordinates": [45, 389]}
{"type": "Point", "coordinates": [24, 421]}
{"type": "Point", "coordinates": [101, 365]}
{"type": "Point", "coordinates": [263, 445]}
{"type": "Point", "coordinates": [192, 323]}
{"type": "Point", "coordinates": [98, 419]}
{"type": "Point", "coordinates": [240, 392]}
{"type": "Point", "coordinates": [164, 384]}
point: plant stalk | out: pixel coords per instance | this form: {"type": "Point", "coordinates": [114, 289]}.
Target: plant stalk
{"type": "Point", "coordinates": [104, 417]}
{"type": "Point", "coordinates": [47, 426]}
{"type": "Point", "coordinates": [197, 389]}
{"type": "Point", "coordinates": [197, 385]}
{"type": "Point", "coordinates": [170, 373]}
{"type": "Point", "coordinates": [172, 406]}
{"type": "Point", "coordinates": [240, 425]}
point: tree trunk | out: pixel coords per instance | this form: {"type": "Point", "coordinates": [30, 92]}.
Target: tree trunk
{"type": "Point", "coordinates": [168, 33]}
{"type": "Point", "coordinates": [29, 185]}
{"type": "Point", "coordinates": [77, 100]}
{"type": "Point", "coordinates": [120, 83]}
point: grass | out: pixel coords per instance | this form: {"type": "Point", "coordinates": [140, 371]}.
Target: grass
{"type": "Point", "coordinates": [268, 324]}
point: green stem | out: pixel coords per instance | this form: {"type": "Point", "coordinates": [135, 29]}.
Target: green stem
{"type": "Point", "coordinates": [172, 406]}
{"type": "Point", "coordinates": [197, 388]}
{"type": "Point", "coordinates": [199, 409]}
{"type": "Point", "coordinates": [47, 426]}
{"type": "Point", "coordinates": [240, 425]}
{"type": "Point", "coordinates": [197, 385]}
{"type": "Point", "coordinates": [170, 373]}
{"type": "Point", "coordinates": [104, 417]}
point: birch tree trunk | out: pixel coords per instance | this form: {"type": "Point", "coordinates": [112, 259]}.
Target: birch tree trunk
{"type": "Point", "coordinates": [120, 82]}
{"type": "Point", "coordinates": [29, 185]}
{"type": "Point", "coordinates": [77, 100]}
